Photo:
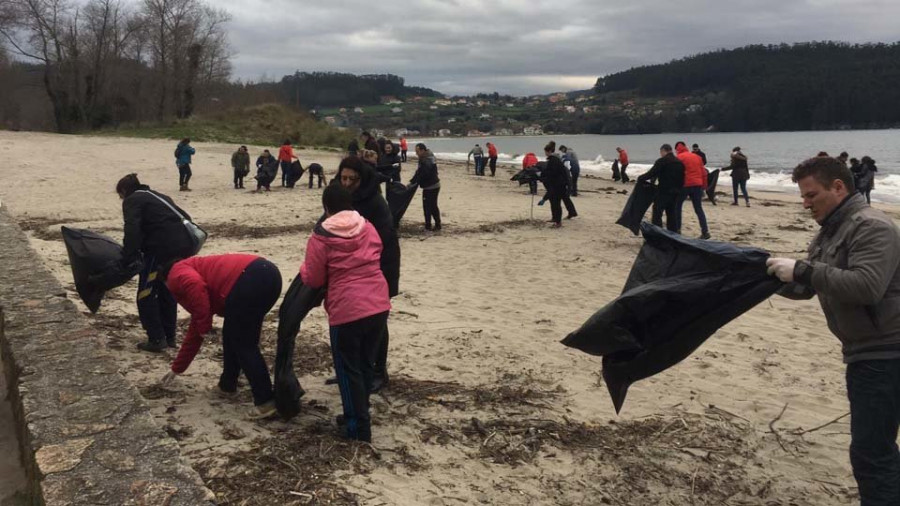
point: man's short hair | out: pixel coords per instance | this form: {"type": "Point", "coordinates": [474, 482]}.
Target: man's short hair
{"type": "Point", "coordinates": [825, 170]}
{"type": "Point", "coordinates": [680, 143]}
{"type": "Point", "coordinates": [696, 146]}
{"type": "Point", "coordinates": [421, 146]}
{"type": "Point", "coordinates": [666, 147]}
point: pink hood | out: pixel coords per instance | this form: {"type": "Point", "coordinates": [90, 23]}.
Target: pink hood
{"type": "Point", "coordinates": [345, 224]}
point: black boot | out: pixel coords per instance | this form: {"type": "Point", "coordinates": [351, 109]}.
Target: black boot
{"type": "Point", "coordinates": [151, 346]}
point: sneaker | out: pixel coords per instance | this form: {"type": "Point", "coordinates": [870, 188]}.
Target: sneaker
{"type": "Point", "coordinates": [556, 225]}
{"type": "Point", "coordinates": [748, 203]}
{"type": "Point", "coordinates": [151, 346]}
{"type": "Point", "coordinates": [569, 217]}
{"type": "Point", "coordinates": [264, 411]}
{"type": "Point", "coordinates": [331, 381]}
{"type": "Point", "coordinates": [705, 236]}
{"type": "Point", "coordinates": [734, 203]}
{"type": "Point", "coordinates": [217, 392]}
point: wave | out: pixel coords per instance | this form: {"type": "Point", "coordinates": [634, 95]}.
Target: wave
{"type": "Point", "coordinates": [887, 188]}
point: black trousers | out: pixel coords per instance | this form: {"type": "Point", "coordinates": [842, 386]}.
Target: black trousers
{"type": "Point", "coordinates": [157, 308]}
{"type": "Point", "coordinates": [493, 165]}
{"type": "Point", "coordinates": [321, 178]}
{"type": "Point", "coordinates": [251, 298]}
{"type": "Point", "coordinates": [873, 387]}
{"type": "Point", "coordinates": [575, 174]}
{"type": "Point", "coordinates": [570, 206]}
{"type": "Point", "coordinates": [354, 347]}
{"type": "Point", "coordinates": [403, 155]}
{"type": "Point", "coordinates": [430, 204]}
{"type": "Point", "coordinates": [238, 179]}
{"type": "Point", "coordinates": [668, 203]}
{"type": "Point", "coordinates": [622, 171]}
{"type": "Point", "coordinates": [381, 356]}
{"type": "Point", "coordinates": [184, 174]}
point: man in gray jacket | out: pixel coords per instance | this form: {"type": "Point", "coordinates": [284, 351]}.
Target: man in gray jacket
{"type": "Point", "coordinates": [853, 268]}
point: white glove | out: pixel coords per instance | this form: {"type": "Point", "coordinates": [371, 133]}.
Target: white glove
{"type": "Point", "coordinates": [782, 268]}
{"type": "Point", "coordinates": [168, 378]}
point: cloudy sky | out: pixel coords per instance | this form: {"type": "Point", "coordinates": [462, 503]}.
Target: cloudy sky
{"type": "Point", "coordinates": [523, 47]}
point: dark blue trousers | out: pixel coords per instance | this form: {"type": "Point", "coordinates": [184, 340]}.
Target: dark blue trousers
{"type": "Point", "coordinates": [354, 348]}
{"type": "Point", "coordinates": [873, 387]}
{"type": "Point", "coordinates": [157, 308]}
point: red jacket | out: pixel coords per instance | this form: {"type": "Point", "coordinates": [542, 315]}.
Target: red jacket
{"type": "Point", "coordinates": [403, 144]}
{"type": "Point", "coordinates": [530, 160]}
{"type": "Point", "coordinates": [694, 172]}
{"type": "Point", "coordinates": [345, 254]}
{"type": "Point", "coordinates": [285, 153]}
{"type": "Point", "coordinates": [201, 285]}
{"type": "Point", "coordinates": [623, 157]}
{"type": "Point", "coordinates": [492, 150]}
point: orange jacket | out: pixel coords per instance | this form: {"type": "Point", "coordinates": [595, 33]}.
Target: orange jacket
{"type": "Point", "coordinates": [286, 153]}
{"type": "Point", "coordinates": [403, 144]}
{"type": "Point", "coordinates": [492, 150]}
{"type": "Point", "coordinates": [623, 157]}
{"type": "Point", "coordinates": [694, 172]}
{"type": "Point", "coordinates": [530, 160]}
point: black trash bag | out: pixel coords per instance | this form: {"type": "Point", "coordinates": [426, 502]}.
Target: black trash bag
{"type": "Point", "coordinates": [399, 198]}
{"type": "Point", "coordinates": [679, 292]}
{"type": "Point", "coordinates": [295, 172]}
{"type": "Point", "coordinates": [526, 176]}
{"type": "Point", "coordinates": [711, 183]}
{"type": "Point", "coordinates": [297, 303]}
{"type": "Point", "coordinates": [96, 262]}
{"type": "Point", "coordinates": [615, 170]}
{"type": "Point", "coordinates": [641, 199]}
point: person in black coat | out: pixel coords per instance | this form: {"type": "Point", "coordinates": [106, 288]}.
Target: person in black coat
{"type": "Point", "coordinates": [389, 162]}
{"type": "Point", "coordinates": [157, 234]}
{"type": "Point", "coordinates": [556, 180]}
{"type": "Point", "coordinates": [363, 183]}
{"type": "Point", "coordinates": [426, 177]}
{"type": "Point", "coordinates": [864, 178]}
{"type": "Point", "coordinates": [668, 174]}
{"type": "Point", "coordinates": [696, 150]}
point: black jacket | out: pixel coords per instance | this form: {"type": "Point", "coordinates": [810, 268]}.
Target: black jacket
{"type": "Point", "coordinates": [154, 229]}
{"type": "Point", "coordinates": [701, 154]}
{"type": "Point", "coordinates": [739, 169]}
{"type": "Point", "coordinates": [368, 202]}
{"type": "Point", "coordinates": [668, 171]}
{"type": "Point", "coordinates": [555, 176]}
{"type": "Point", "coordinates": [427, 173]}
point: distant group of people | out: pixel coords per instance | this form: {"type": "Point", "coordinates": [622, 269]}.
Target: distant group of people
{"type": "Point", "coordinates": [863, 171]}
{"type": "Point", "coordinates": [480, 162]}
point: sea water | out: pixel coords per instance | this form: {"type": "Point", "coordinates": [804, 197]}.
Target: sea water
{"type": "Point", "coordinates": [771, 155]}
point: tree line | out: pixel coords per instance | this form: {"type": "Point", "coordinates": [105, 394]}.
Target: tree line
{"type": "Point", "coordinates": [805, 86]}
{"type": "Point", "coordinates": [104, 62]}
{"type": "Point", "coordinates": [330, 89]}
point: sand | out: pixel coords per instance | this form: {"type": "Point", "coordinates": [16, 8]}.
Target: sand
{"type": "Point", "coordinates": [486, 406]}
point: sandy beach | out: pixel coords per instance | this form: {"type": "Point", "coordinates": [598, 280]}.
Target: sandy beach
{"type": "Point", "coordinates": [486, 406]}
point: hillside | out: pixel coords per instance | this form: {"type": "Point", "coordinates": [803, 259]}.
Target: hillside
{"type": "Point", "coordinates": [813, 86]}
{"type": "Point", "coordinates": [267, 124]}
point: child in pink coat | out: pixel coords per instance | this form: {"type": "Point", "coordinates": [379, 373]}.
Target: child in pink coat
{"type": "Point", "coordinates": [344, 253]}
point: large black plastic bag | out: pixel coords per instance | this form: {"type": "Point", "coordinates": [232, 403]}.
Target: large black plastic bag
{"type": "Point", "coordinates": [399, 198]}
{"type": "Point", "coordinates": [640, 200]}
{"type": "Point", "coordinates": [711, 183]}
{"type": "Point", "coordinates": [96, 262]}
{"type": "Point", "coordinates": [679, 292]}
{"type": "Point", "coordinates": [297, 303]}
{"type": "Point", "coordinates": [295, 172]}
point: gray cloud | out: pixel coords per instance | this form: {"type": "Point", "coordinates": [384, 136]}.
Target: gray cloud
{"type": "Point", "coordinates": [524, 47]}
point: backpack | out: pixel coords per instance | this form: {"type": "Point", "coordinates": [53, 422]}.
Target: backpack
{"type": "Point", "coordinates": [178, 150]}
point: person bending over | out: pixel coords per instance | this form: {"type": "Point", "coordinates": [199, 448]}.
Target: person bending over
{"type": "Point", "coordinates": [344, 254]}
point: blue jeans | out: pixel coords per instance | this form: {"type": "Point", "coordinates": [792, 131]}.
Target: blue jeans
{"type": "Point", "coordinates": [156, 306]}
{"type": "Point", "coordinates": [735, 184]}
{"type": "Point", "coordinates": [696, 194]}
{"type": "Point", "coordinates": [873, 387]}
{"type": "Point", "coordinates": [479, 165]}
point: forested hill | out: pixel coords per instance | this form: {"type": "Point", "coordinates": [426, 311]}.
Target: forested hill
{"type": "Point", "coordinates": [324, 89]}
{"type": "Point", "coordinates": [785, 87]}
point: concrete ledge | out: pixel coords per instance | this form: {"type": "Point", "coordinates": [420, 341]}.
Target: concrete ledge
{"type": "Point", "coordinates": [87, 435]}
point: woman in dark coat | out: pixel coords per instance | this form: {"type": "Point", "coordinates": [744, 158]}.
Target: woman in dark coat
{"type": "Point", "coordinates": [556, 180]}
{"type": "Point", "coordinates": [740, 173]}
{"type": "Point", "coordinates": [865, 178]}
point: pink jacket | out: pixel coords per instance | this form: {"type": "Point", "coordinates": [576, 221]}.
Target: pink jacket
{"type": "Point", "coordinates": [345, 253]}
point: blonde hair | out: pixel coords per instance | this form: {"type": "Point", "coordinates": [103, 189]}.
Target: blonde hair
{"type": "Point", "coordinates": [368, 153]}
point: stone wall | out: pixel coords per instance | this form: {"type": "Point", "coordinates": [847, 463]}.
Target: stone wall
{"type": "Point", "coordinates": [87, 435]}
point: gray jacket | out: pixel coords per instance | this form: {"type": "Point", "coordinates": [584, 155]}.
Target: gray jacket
{"type": "Point", "coordinates": [853, 268]}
